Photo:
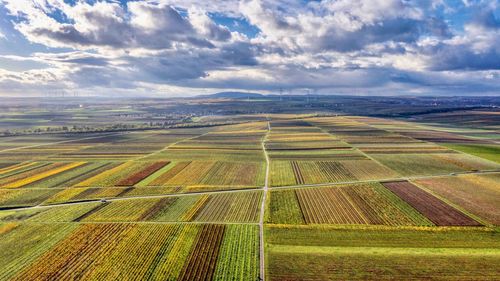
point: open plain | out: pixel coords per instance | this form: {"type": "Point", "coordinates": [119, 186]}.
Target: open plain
{"type": "Point", "coordinates": [275, 197]}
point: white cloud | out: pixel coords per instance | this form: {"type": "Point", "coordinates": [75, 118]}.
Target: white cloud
{"type": "Point", "coordinates": [105, 25]}
{"type": "Point", "coordinates": [332, 45]}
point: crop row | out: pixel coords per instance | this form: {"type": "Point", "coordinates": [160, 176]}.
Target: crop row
{"type": "Point", "coordinates": [22, 244]}
{"type": "Point", "coordinates": [223, 207]}
{"type": "Point", "coordinates": [7, 180]}
{"type": "Point", "coordinates": [211, 173]}
{"type": "Point", "coordinates": [334, 253]}
{"type": "Point", "coordinates": [54, 214]}
{"type": "Point", "coordinates": [433, 163]}
{"type": "Point", "coordinates": [72, 256]}
{"type": "Point", "coordinates": [239, 207]}
{"type": "Point", "coordinates": [346, 204]}
{"type": "Point", "coordinates": [24, 197]}
{"type": "Point", "coordinates": [142, 174]}
{"type": "Point", "coordinates": [72, 176]}
{"type": "Point", "coordinates": [56, 169]}
{"type": "Point", "coordinates": [83, 194]}
{"type": "Point", "coordinates": [476, 193]}
{"type": "Point", "coordinates": [331, 154]}
{"type": "Point", "coordinates": [213, 154]}
{"type": "Point", "coordinates": [112, 176]}
{"type": "Point", "coordinates": [121, 251]}
{"type": "Point", "coordinates": [161, 173]}
{"type": "Point", "coordinates": [436, 210]}
{"type": "Point", "coordinates": [308, 172]}
{"type": "Point", "coordinates": [203, 259]}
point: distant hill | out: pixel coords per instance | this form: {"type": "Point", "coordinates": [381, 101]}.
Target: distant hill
{"type": "Point", "coordinates": [232, 95]}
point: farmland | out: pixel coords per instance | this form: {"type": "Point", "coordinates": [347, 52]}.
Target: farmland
{"type": "Point", "coordinates": [105, 251]}
{"type": "Point", "coordinates": [345, 204]}
{"type": "Point", "coordinates": [330, 253]}
{"type": "Point", "coordinates": [437, 211]}
{"type": "Point", "coordinates": [270, 196]}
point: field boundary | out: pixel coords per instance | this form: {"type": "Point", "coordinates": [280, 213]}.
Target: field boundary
{"type": "Point", "coordinates": [241, 190]}
{"type": "Point", "coordinates": [263, 207]}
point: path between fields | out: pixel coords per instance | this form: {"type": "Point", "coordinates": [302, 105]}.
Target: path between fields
{"type": "Point", "coordinates": [265, 189]}
{"type": "Point", "coordinates": [263, 206]}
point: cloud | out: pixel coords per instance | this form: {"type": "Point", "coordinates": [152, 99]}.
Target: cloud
{"type": "Point", "coordinates": [478, 48]}
{"type": "Point", "coordinates": [108, 24]}
{"type": "Point", "coordinates": [340, 25]}
{"type": "Point", "coordinates": [205, 26]}
{"type": "Point", "coordinates": [337, 46]}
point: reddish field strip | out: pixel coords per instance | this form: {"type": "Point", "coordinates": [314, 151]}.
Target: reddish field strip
{"type": "Point", "coordinates": [201, 264]}
{"type": "Point", "coordinates": [142, 174]}
{"type": "Point", "coordinates": [434, 209]}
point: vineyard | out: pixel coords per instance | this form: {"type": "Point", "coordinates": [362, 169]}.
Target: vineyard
{"type": "Point", "coordinates": [231, 207]}
{"type": "Point", "coordinates": [434, 209]}
{"type": "Point", "coordinates": [333, 253]}
{"type": "Point", "coordinates": [253, 197]}
{"type": "Point", "coordinates": [346, 204]}
{"type": "Point", "coordinates": [285, 173]}
{"type": "Point", "coordinates": [478, 194]}
{"type": "Point", "coordinates": [115, 251]}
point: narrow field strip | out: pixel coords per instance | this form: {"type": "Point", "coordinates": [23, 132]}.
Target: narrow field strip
{"type": "Point", "coordinates": [142, 174]}
{"type": "Point", "coordinates": [43, 175]}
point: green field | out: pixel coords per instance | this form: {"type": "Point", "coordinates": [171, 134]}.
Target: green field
{"type": "Point", "coordinates": [490, 152]}
{"type": "Point", "coordinates": [329, 253]}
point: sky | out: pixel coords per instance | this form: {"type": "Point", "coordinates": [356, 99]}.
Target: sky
{"type": "Point", "coordinates": [176, 48]}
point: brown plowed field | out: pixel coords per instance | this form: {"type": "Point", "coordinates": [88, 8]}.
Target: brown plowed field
{"type": "Point", "coordinates": [434, 209]}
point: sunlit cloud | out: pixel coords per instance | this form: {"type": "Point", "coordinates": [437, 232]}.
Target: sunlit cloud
{"type": "Point", "coordinates": [162, 47]}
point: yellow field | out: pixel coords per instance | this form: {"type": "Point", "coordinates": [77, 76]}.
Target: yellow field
{"type": "Point", "coordinates": [43, 175]}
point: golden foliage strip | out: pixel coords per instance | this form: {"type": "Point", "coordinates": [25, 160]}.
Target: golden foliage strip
{"type": "Point", "coordinates": [192, 174]}
{"type": "Point", "coordinates": [71, 257]}
{"type": "Point", "coordinates": [7, 227]}
{"type": "Point", "coordinates": [40, 176]}
{"type": "Point", "coordinates": [165, 177]}
{"type": "Point", "coordinates": [194, 211]}
{"type": "Point", "coordinates": [28, 173]}
{"type": "Point", "coordinates": [135, 254]}
{"type": "Point", "coordinates": [106, 174]}
{"type": "Point", "coordinates": [16, 167]}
